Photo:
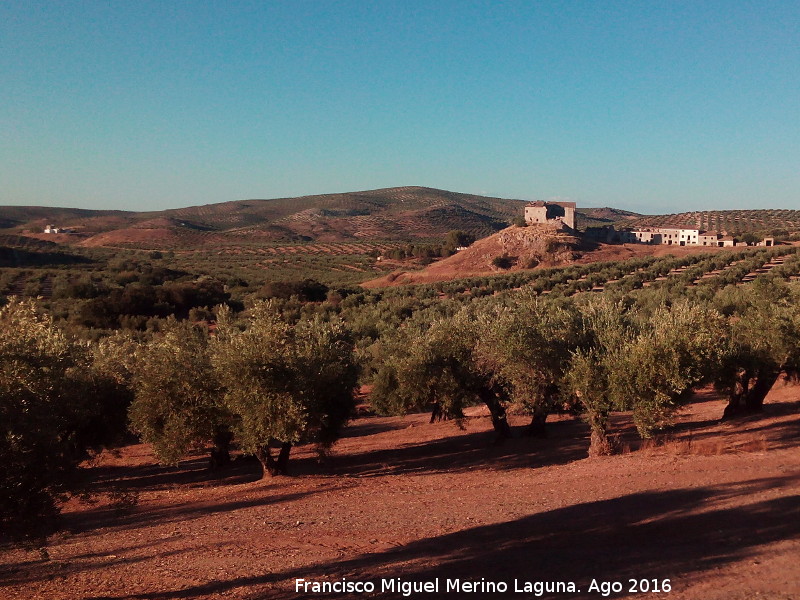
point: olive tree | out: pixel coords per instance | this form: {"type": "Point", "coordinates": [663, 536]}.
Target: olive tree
{"type": "Point", "coordinates": [437, 365]}
{"type": "Point", "coordinates": [764, 342]}
{"type": "Point", "coordinates": [676, 348]}
{"type": "Point", "coordinates": [285, 383]}
{"type": "Point", "coordinates": [606, 332]}
{"type": "Point", "coordinates": [178, 398]}
{"type": "Point", "coordinates": [56, 408]}
{"type": "Point", "coordinates": [527, 346]}
{"type": "Point", "coordinates": [644, 361]}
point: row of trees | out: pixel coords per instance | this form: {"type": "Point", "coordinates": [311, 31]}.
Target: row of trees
{"type": "Point", "coordinates": [267, 386]}
{"type": "Point", "coordinates": [271, 384]}
{"type": "Point", "coordinates": [116, 307]}
{"type": "Point", "coordinates": [453, 240]}
{"type": "Point", "coordinates": [278, 377]}
{"type": "Point", "coordinates": [594, 355]}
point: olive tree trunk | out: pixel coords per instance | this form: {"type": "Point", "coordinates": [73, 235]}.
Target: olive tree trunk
{"type": "Point", "coordinates": [736, 400]}
{"type": "Point", "coordinates": [749, 399]}
{"type": "Point", "coordinates": [272, 466]}
{"type": "Point", "coordinates": [498, 413]}
{"type": "Point", "coordinates": [600, 444]}
{"type": "Point", "coordinates": [754, 400]}
{"type": "Point", "coordinates": [221, 452]}
{"type": "Point", "coordinates": [537, 426]}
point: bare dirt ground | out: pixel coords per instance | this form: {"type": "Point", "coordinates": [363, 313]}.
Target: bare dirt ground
{"type": "Point", "coordinates": [713, 507]}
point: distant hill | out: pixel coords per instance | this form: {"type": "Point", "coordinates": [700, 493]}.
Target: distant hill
{"type": "Point", "coordinates": [26, 216]}
{"type": "Point", "coordinates": [393, 215]}
{"type": "Point", "coordinates": [404, 213]}
{"type": "Point", "coordinates": [726, 221]}
{"type": "Point", "coordinates": [596, 217]}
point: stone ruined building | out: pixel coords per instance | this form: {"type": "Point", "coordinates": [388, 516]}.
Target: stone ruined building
{"type": "Point", "coordinates": [560, 214]}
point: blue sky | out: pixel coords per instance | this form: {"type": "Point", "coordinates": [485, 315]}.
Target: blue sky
{"type": "Point", "coordinates": [655, 107]}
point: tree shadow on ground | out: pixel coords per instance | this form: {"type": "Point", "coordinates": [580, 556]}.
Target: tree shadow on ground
{"type": "Point", "coordinates": [106, 517]}
{"type": "Point", "coordinates": [655, 534]}
{"type": "Point", "coordinates": [371, 426]}
{"type": "Point", "coordinates": [98, 521]}
{"type": "Point", "coordinates": [193, 472]}
{"type": "Point", "coordinates": [33, 571]}
{"type": "Point", "coordinates": [567, 441]}
{"type": "Point", "coordinates": [781, 434]}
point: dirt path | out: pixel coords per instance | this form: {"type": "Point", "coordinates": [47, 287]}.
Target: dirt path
{"type": "Point", "coordinates": [714, 508]}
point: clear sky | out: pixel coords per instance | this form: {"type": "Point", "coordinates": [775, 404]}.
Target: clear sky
{"type": "Point", "coordinates": [651, 106]}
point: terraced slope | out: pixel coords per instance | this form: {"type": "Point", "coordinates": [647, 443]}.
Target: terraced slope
{"type": "Point", "coordinates": [726, 221]}
{"type": "Point", "coordinates": [596, 217]}
{"type": "Point", "coordinates": [392, 213]}
{"type": "Point", "coordinates": [13, 217]}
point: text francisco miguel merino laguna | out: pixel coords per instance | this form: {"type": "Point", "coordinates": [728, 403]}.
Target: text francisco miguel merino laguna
{"type": "Point", "coordinates": [406, 588]}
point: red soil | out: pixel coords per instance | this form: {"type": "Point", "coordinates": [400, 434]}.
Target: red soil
{"type": "Point", "coordinates": [714, 508]}
{"type": "Point", "coordinates": [122, 236]}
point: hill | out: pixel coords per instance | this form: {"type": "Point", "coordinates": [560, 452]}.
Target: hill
{"type": "Point", "coordinates": [403, 213]}
{"type": "Point", "coordinates": [517, 248]}
{"type": "Point", "coordinates": [729, 222]}
{"type": "Point", "coordinates": [596, 217]}
{"type": "Point", "coordinates": [17, 217]}
{"type": "Point", "coordinates": [525, 248]}
{"type": "Point", "coordinates": [335, 238]}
